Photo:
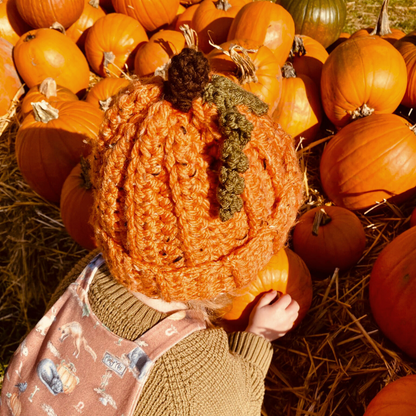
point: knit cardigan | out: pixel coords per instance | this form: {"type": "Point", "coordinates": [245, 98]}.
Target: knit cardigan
{"type": "Point", "coordinates": [206, 374]}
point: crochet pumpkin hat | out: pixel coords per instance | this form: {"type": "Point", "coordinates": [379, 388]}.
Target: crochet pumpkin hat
{"type": "Point", "coordinates": [195, 186]}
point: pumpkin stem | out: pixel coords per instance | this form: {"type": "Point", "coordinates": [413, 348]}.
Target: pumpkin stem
{"type": "Point", "coordinates": [109, 58]}
{"type": "Point", "coordinates": [85, 173]}
{"type": "Point", "coordinates": [288, 71]}
{"type": "Point", "coordinates": [382, 26]}
{"type": "Point", "coordinates": [413, 128]}
{"type": "Point", "coordinates": [222, 5]}
{"type": "Point", "coordinates": [94, 3]}
{"type": "Point", "coordinates": [48, 88]}
{"type": "Point", "coordinates": [57, 26]}
{"type": "Point", "coordinates": [297, 47]}
{"type": "Point", "coordinates": [44, 112]}
{"type": "Point", "coordinates": [321, 218]}
{"type": "Point", "coordinates": [191, 37]}
{"type": "Point", "coordinates": [105, 104]}
{"type": "Point", "coordinates": [29, 37]}
{"type": "Point", "coordinates": [361, 112]}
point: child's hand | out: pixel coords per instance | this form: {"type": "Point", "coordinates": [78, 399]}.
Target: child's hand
{"type": "Point", "coordinates": [273, 321]}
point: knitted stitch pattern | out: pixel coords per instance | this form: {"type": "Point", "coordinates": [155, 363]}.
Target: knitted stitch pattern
{"type": "Point", "coordinates": [156, 173]}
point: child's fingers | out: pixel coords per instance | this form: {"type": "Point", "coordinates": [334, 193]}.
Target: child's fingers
{"type": "Point", "coordinates": [293, 306]}
{"type": "Point", "coordinates": [266, 299]}
{"type": "Point", "coordinates": [283, 302]}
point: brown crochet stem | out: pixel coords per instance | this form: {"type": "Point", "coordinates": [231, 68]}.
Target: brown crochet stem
{"type": "Point", "coordinates": [382, 26]}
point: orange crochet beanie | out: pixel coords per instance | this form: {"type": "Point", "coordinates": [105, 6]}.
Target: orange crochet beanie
{"type": "Point", "coordinates": [195, 186]}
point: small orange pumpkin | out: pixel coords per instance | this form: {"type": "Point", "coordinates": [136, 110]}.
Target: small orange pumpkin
{"type": "Point", "coordinates": [47, 90]}
{"type": "Point", "coordinates": [12, 26]}
{"type": "Point", "coordinates": [186, 17]}
{"type": "Point", "coordinates": [286, 273]}
{"type": "Point", "coordinates": [67, 375]}
{"type": "Point", "coordinates": [14, 404]}
{"type": "Point", "coordinates": [100, 95]}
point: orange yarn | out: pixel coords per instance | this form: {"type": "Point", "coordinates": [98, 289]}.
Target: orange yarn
{"type": "Point", "coordinates": [155, 171]}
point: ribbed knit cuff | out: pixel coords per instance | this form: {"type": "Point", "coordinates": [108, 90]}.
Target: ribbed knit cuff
{"type": "Point", "coordinates": [253, 348]}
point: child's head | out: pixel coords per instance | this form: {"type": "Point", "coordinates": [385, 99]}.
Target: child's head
{"type": "Point", "coordinates": [196, 187]}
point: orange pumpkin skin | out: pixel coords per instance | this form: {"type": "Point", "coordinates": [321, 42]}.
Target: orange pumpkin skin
{"type": "Point", "coordinates": [312, 62]}
{"type": "Point", "coordinates": [114, 33]}
{"type": "Point", "coordinates": [186, 17]}
{"type": "Point", "coordinates": [407, 48]}
{"type": "Point", "coordinates": [276, 31]}
{"type": "Point", "coordinates": [299, 111]}
{"type": "Point", "coordinates": [391, 37]}
{"type": "Point", "coordinates": [339, 243]}
{"type": "Point", "coordinates": [76, 204]}
{"type": "Point", "coordinates": [44, 53]}
{"type": "Point", "coordinates": [362, 71]}
{"type": "Point", "coordinates": [369, 160]}
{"type": "Point", "coordinates": [47, 152]}
{"type": "Point", "coordinates": [342, 38]}
{"type": "Point", "coordinates": [397, 398]}
{"type": "Point", "coordinates": [413, 218]}
{"type": "Point", "coordinates": [34, 95]}
{"type": "Point", "coordinates": [214, 18]}
{"type": "Point", "coordinates": [100, 93]}
{"type": "Point", "coordinates": [152, 14]}
{"type": "Point", "coordinates": [67, 376]}
{"type": "Point", "coordinates": [286, 273]}
{"type": "Point", "coordinates": [161, 47]}
{"type": "Point", "coordinates": [392, 288]}
{"type": "Point", "coordinates": [14, 404]}
{"type": "Point", "coordinates": [41, 14]}
{"type": "Point", "coordinates": [10, 84]}
{"type": "Point", "coordinates": [269, 79]}
{"type": "Point", "coordinates": [78, 31]}
{"type": "Point", "coordinates": [12, 26]}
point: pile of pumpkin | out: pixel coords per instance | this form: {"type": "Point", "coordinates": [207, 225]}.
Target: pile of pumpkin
{"type": "Point", "coordinates": [292, 54]}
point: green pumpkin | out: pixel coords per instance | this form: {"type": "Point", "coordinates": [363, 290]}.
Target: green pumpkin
{"type": "Point", "coordinates": [322, 20]}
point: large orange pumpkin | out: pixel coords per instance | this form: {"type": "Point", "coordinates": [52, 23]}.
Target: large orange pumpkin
{"type": "Point", "coordinates": [212, 21]}
{"type": "Point", "coordinates": [112, 43]}
{"type": "Point", "coordinates": [252, 66]}
{"type": "Point", "coordinates": [91, 13]}
{"type": "Point", "coordinates": [329, 237]}
{"type": "Point", "coordinates": [76, 204]}
{"type": "Point", "coordinates": [186, 17]}
{"type": "Point", "coordinates": [370, 160]}
{"type": "Point", "coordinates": [43, 14]}
{"type": "Point", "coordinates": [286, 273]}
{"type": "Point", "coordinates": [101, 94]}
{"type": "Point", "coordinates": [44, 53]}
{"type": "Point", "coordinates": [299, 111]}
{"type": "Point", "coordinates": [361, 76]}
{"type": "Point", "coordinates": [397, 398]}
{"type": "Point", "coordinates": [342, 38]}
{"type": "Point", "coordinates": [161, 47]}
{"type": "Point", "coordinates": [12, 26]}
{"type": "Point", "coordinates": [51, 141]}
{"type": "Point", "coordinates": [152, 14]}
{"type": "Point", "coordinates": [10, 85]}
{"type": "Point", "coordinates": [47, 90]}
{"type": "Point", "coordinates": [266, 23]}
{"type": "Point", "coordinates": [392, 291]}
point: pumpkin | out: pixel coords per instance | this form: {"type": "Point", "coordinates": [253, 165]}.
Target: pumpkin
{"type": "Point", "coordinates": [362, 76]}
{"type": "Point", "coordinates": [370, 160]}
{"type": "Point", "coordinates": [286, 273]}
{"type": "Point", "coordinates": [308, 57]}
{"type": "Point", "coordinates": [161, 47]}
{"type": "Point", "coordinates": [254, 67]}
{"type": "Point", "coordinates": [101, 94]}
{"type": "Point", "coordinates": [180, 11]}
{"type": "Point", "coordinates": [299, 111]}
{"type": "Point", "coordinates": [76, 204]}
{"type": "Point", "coordinates": [51, 141]}
{"type": "Point", "coordinates": [382, 28]}
{"type": "Point", "coordinates": [112, 43]}
{"type": "Point", "coordinates": [12, 26]}
{"type": "Point", "coordinates": [413, 218]}
{"type": "Point", "coordinates": [78, 31]}
{"type": "Point", "coordinates": [66, 373]}
{"type": "Point", "coordinates": [14, 404]}
{"type": "Point", "coordinates": [152, 14]}
{"type": "Point", "coordinates": [43, 14]}
{"type": "Point", "coordinates": [322, 20]}
{"type": "Point", "coordinates": [407, 48]}
{"type": "Point", "coordinates": [186, 17]}
{"type": "Point", "coordinates": [329, 237]}
{"type": "Point", "coordinates": [267, 24]}
{"type": "Point", "coordinates": [47, 90]}
{"type": "Point", "coordinates": [392, 291]}
{"type": "Point", "coordinates": [212, 21]}
{"type": "Point", "coordinates": [10, 85]}
{"type": "Point", "coordinates": [342, 38]}
{"type": "Point", "coordinates": [397, 398]}
{"type": "Point", "coordinates": [44, 53]}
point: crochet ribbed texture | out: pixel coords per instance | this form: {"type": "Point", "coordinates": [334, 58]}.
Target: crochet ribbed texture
{"type": "Point", "coordinates": [206, 374]}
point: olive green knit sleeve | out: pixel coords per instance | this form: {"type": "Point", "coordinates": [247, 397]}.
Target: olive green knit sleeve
{"type": "Point", "coordinates": [70, 277]}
